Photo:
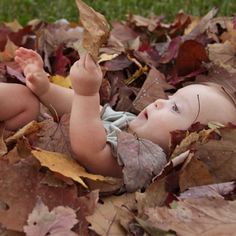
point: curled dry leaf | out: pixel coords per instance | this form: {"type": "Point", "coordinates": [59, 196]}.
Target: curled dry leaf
{"type": "Point", "coordinates": [28, 129]}
{"type": "Point", "coordinates": [96, 29]}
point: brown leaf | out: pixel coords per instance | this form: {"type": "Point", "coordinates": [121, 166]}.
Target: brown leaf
{"type": "Point", "coordinates": [200, 216]}
{"type": "Point", "coordinates": [5, 232]}
{"type": "Point", "coordinates": [202, 25]}
{"type": "Point", "coordinates": [141, 160]}
{"type": "Point", "coordinates": [149, 23]}
{"type": "Point", "coordinates": [190, 57]}
{"type": "Point", "coordinates": [28, 129]}
{"type": "Point", "coordinates": [220, 156]}
{"type": "Point", "coordinates": [152, 89]}
{"type": "Point", "coordinates": [53, 136]}
{"type": "Point", "coordinates": [223, 54]}
{"type": "Point", "coordinates": [17, 179]}
{"type": "Point", "coordinates": [213, 162]}
{"type": "Point", "coordinates": [118, 63]}
{"type": "Point", "coordinates": [105, 220]}
{"type": "Point", "coordinates": [172, 50]}
{"type": "Point", "coordinates": [213, 190]}
{"type": "Point", "coordinates": [155, 195]}
{"type": "Point", "coordinates": [194, 173]}
{"type": "Point", "coordinates": [23, 179]}
{"type": "Point", "coordinates": [96, 29]}
{"type": "Point", "coordinates": [123, 32]}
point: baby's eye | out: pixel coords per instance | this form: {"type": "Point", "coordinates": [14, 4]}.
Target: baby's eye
{"type": "Point", "coordinates": [175, 108]}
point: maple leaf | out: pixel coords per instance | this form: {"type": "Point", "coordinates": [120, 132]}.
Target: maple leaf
{"type": "Point", "coordinates": [141, 159]}
{"type": "Point", "coordinates": [96, 28]}
{"type": "Point", "coordinates": [57, 222]}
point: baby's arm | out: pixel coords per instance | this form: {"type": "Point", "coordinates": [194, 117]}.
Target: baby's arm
{"type": "Point", "coordinates": [87, 134]}
{"type": "Point", "coordinates": [51, 95]}
{"type": "Point", "coordinates": [18, 105]}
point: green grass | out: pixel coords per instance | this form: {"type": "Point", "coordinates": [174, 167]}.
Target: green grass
{"type": "Point", "coordinates": [51, 10]}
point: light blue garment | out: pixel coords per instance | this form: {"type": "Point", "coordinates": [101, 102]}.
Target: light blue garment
{"type": "Point", "coordinates": [115, 121]}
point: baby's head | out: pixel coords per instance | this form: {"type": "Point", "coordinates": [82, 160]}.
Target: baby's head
{"type": "Point", "coordinates": [194, 103]}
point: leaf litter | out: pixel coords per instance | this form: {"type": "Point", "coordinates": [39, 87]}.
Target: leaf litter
{"type": "Point", "coordinates": [44, 191]}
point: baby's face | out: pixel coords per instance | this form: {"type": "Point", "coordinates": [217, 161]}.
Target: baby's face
{"type": "Point", "coordinates": [188, 105]}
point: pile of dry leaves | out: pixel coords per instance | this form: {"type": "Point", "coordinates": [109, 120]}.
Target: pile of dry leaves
{"type": "Point", "coordinates": [43, 191]}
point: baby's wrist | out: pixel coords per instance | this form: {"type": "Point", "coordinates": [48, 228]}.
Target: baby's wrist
{"type": "Point", "coordinates": [83, 93]}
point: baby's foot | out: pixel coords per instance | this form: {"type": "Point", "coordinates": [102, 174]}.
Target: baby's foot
{"type": "Point", "coordinates": [32, 66]}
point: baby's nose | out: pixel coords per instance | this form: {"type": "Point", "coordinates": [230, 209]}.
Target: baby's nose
{"type": "Point", "coordinates": [160, 103]}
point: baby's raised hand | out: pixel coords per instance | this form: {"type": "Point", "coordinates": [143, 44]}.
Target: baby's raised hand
{"type": "Point", "coordinates": [86, 76]}
{"type": "Point", "coordinates": [32, 65]}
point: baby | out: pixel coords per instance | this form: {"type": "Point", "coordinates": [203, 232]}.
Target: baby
{"type": "Point", "coordinates": [18, 105]}
{"type": "Point", "coordinates": [193, 103]}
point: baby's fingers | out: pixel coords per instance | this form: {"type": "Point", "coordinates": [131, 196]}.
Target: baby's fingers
{"type": "Point", "coordinates": [90, 64]}
{"type": "Point", "coordinates": [20, 61]}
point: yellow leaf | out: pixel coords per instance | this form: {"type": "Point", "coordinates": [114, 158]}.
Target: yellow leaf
{"type": "Point", "coordinates": [62, 81]}
{"type": "Point", "coordinates": [107, 57]}
{"type": "Point", "coordinates": [9, 51]}
{"type": "Point", "coordinates": [29, 128]}
{"type": "Point", "coordinates": [64, 165]}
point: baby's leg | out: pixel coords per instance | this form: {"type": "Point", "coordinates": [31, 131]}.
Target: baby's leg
{"type": "Point", "coordinates": [32, 66]}
{"type": "Point", "coordinates": [18, 105]}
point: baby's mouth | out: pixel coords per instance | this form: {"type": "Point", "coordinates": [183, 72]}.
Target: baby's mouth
{"type": "Point", "coordinates": [146, 114]}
